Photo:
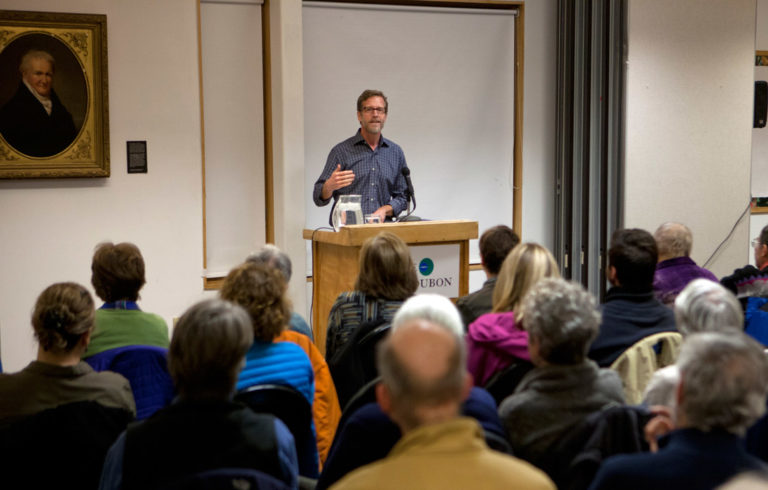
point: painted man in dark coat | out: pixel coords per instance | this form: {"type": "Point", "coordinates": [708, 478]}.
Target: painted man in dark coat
{"type": "Point", "coordinates": [34, 121]}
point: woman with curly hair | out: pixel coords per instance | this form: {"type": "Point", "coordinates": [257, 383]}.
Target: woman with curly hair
{"type": "Point", "coordinates": [260, 290]}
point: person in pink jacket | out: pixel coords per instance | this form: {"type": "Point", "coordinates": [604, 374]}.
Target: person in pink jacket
{"type": "Point", "coordinates": [496, 340]}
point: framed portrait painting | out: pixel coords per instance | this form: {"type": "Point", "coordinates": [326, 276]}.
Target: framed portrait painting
{"type": "Point", "coordinates": [54, 114]}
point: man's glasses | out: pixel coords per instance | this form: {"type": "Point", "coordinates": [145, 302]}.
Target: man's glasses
{"type": "Point", "coordinates": [380, 110]}
{"type": "Point", "coordinates": [755, 242]}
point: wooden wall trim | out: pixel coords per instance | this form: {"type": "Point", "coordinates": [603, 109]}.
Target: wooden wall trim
{"type": "Point", "coordinates": [202, 126]}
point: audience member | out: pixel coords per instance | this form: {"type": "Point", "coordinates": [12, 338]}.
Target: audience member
{"type": "Point", "coordinates": [722, 391]}
{"type": "Point", "coordinates": [760, 246]}
{"type": "Point", "coordinates": [495, 245]}
{"type": "Point", "coordinates": [703, 306]}
{"type": "Point", "coordinates": [369, 434]}
{"type": "Point", "coordinates": [117, 275]}
{"type": "Point", "coordinates": [630, 312]}
{"type": "Point", "coordinates": [203, 429]}
{"type": "Point", "coordinates": [675, 268]}
{"type": "Point", "coordinates": [498, 339]}
{"type": "Point", "coordinates": [387, 278]}
{"type": "Point", "coordinates": [260, 290]}
{"type": "Point", "coordinates": [325, 405]}
{"type": "Point", "coordinates": [271, 255]}
{"type": "Point", "coordinates": [424, 381]}
{"type": "Point", "coordinates": [565, 386]}
{"type": "Point", "coordinates": [751, 280]}
{"type": "Point", "coordinates": [63, 322]}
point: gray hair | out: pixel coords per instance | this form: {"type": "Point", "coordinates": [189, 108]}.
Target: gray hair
{"type": "Point", "coordinates": [563, 318]}
{"type": "Point", "coordinates": [661, 388]}
{"type": "Point", "coordinates": [673, 240]}
{"type": "Point", "coordinates": [208, 348]}
{"type": "Point", "coordinates": [706, 306]}
{"type": "Point", "coordinates": [272, 256]}
{"type": "Point", "coordinates": [724, 381]}
{"type": "Point", "coordinates": [431, 307]}
{"type": "Point", "coordinates": [36, 54]}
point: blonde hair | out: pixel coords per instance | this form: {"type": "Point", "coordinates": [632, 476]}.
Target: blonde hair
{"type": "Point", "coordinates": [525, 265]}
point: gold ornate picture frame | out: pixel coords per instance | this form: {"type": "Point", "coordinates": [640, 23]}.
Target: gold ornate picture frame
{"type": "Point", "coordinates": [54, 119]}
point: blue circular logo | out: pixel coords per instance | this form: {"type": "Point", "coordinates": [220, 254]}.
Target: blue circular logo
{"type": "Point", "coordinates": [426, 266]}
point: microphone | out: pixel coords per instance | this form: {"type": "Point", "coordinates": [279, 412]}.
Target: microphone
{"type": "Point", "coordinates": [407, 174]}
{"type": "Point", "coordinates": [409, 196]}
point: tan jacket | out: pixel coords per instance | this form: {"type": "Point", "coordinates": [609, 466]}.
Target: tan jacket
{"type": "Point", "coordinates": [638, 363]}
{"type": "Point", "coordinates": [446, 456]}
{"type": "Point", "coordinates": [325, 406]}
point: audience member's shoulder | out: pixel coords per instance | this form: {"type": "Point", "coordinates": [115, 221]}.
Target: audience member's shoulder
{"type": "Point", "coordinates": [521, 474]}
{"type": "Point", "coordinates": [350, 297]}
{"type": "Point", "coordinates": [610, 385]}
{"type": "Point", "coordinates": [156, 319]}
{"type": "Point", "coordinates": [115, 389]}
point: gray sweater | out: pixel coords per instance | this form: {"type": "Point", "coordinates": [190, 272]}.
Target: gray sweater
{"type": "Point", "coordinates": [550, 400]}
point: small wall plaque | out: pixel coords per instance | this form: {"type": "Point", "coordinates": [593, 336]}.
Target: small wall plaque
{"type": "Point", "coordinates": [137, 157]}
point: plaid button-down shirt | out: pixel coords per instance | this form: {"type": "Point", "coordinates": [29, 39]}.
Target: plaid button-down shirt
{"type": "Point", "coordinates": [378, 174]}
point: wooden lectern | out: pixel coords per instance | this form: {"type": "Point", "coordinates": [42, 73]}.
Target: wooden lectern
{"type": "Point", "coordinates": [335, 258]}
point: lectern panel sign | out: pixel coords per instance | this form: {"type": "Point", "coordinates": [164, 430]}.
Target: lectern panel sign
{"type": "Point", "coordinates": [437, 267]}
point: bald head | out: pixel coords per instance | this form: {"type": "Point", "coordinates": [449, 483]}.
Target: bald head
{"type": "Point", "coordinates": [424, 349]}
{"type": "Point", "coordinates": [673, 240]}
{"type": "Point", "coordinates": [424, 378]}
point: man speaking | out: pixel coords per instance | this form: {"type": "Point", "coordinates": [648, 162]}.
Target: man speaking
{"type": "Point", "coordinates": [367, 164]}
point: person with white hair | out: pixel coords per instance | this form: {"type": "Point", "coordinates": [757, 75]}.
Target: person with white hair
{"type": "Point", "coordinates": [703, 306]}
{"type": "Point", "coordinates": [675, 268]}
{"type": "Point", "coordinates": [722, 391]}
{"type": "Point", "coordinates": [424, 380]}
{"type": "Point", "coordinates": [565, 386]}
{"type": "Point", "coordinates": [34, 121]}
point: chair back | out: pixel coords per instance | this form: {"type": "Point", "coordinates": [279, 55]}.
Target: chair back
{"type": "Point", "coordinates": [637, 364]}
{"type": "Point", "coordinates": [354, 365]}
{"type": "Point", "coordinates": [146, 368]}
{"type": "Point", "coordinates": [574, 459]}
{"type": "Point", "coordinates": [290, 406]}
{"type": "Point", "coordinates": [503, 383]}
{"type": "Point", "coordinates": [229, 479]}
{"type": "Point", "coordinates": [756, 319]}
{"type": "Point", "coordinates": [62, 447]}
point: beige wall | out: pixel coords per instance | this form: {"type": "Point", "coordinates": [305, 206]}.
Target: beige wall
{"type": "Point", "coordinates": [48, 228]}
{"type": "Point", "coordinates": [689, 120]}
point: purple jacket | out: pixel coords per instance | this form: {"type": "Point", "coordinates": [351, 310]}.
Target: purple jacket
{"type": "Point", "coordinates": [672, 275]}
{"type": "Point", "coordinates": [493, 343]}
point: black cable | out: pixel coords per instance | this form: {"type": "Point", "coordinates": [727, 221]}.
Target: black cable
{"type": "Point", "coordinates": [404, 218]}
{"type": "Point", "coordinates": [749, 205]}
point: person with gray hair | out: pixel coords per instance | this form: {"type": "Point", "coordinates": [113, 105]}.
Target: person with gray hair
{"type": "Point", "coordinates": [675, 268]}
{"type": "Point", "coordinates": [272, 256]}
{"type": "Point", "coordinates": [565, 386]}
{"type": "Point", "coordinates": [203, 430]}
{"type": "Point", "coordinates": [424, 380]}
{"type": "Point", "coordinates": [703, 306]}
{"type": "Point", "coordinates": [722, 391]}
